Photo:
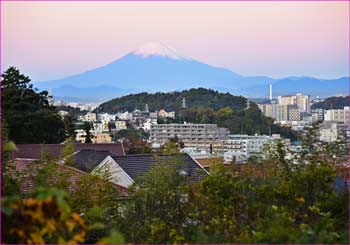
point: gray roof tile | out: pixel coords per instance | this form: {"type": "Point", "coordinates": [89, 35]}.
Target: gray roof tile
{"type": "Point", "coordinates": [138, 164]}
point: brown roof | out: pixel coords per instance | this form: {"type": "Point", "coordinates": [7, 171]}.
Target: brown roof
{"type": "Point", "coordinates": [34, 151]}
{"type": "Point", "coordinates": [28, 169]}
{"type": "Point", "coordinates": [210, 161]}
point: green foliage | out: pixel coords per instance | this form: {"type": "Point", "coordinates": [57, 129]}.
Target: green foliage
{"type": "Point", "coordinates": [159, 205]}
{"type": "Point", "coordinates": [10, 177]}
{"type": "Point", "coordinates": [88, 136]}
{"type": "Point", "coordinates": [69, 126]}
{"type": "Point", "coordinates": [29, 116]}
{"type": "Point", "coordinates": [277, 200]}
{"type": "Point", "coordinates": [68, 152]}
{"type": "Point", "coordinates": [337, 102]}
{"type": "Point", "coordinates": [200, 97]}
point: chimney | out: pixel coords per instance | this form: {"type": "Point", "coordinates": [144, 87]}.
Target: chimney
{"type": "Point", "coordinates": [270, 91]}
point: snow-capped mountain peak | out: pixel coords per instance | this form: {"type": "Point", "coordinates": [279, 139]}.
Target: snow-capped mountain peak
{"type": "Point", "coordinates": [157, 49]}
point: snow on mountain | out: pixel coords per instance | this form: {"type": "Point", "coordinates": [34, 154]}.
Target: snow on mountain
{"type": "Point", "coordinates": [157, 49]}
{"type": "Point", "coordinates": [158, 67]}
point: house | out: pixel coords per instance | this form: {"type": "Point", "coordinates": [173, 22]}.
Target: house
{"type": "Point", "coordinates": [29, 168]}
{"type": "Point", "coordinates": [163, 114]}
{"type": "Point", "coordinates": [35, 151]}
{"type": "Point", "coordinates": [120, 125]}
{"type": "Point", "coordinates": [123, 170]}
{"type": "Point", "coordinates": [90, 117]}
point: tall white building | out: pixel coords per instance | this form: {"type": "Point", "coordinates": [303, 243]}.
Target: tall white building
{"type": "Point", "coordinates": [338, 115]}
{"type": "Point", "coordinates": [302, 101]}
{"type": "Point", "coordinates": [243, 146]}
{"type": "Point", "coordinates": [275, 111]}
{"type": "Point", "coordinates": [329, 131]}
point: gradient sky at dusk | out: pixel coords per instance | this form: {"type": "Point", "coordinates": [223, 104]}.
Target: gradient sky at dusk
{"type": "Point", "coordinates": [56, 39]}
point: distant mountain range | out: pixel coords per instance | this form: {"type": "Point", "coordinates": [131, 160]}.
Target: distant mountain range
{"type": "Point", "coordinates": [156, 67]}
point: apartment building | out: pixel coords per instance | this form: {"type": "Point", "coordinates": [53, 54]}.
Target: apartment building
{"type": "Point", "coordinates": [275, 111]}
{"type": "Point", "coordinates": [199, 136]}
{"type": "Point", "coordinates": [338, 115]}
{"type": "Point", "coordinates": [242, 146]}
{"type": "Point", "coordinates": [302, 101]}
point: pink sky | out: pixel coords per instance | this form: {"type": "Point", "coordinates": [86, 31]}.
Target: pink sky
{"type": "Point", "coordinates": [49, 40]}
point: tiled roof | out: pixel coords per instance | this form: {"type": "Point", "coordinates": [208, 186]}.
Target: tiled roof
{"type": "Point", "coordinates": [34, 151]}
{"type": "Point", "coordinates": [135, 165]}
{"type": "Point", "coordinates": [87, 160]}
{"type": "Point", "coordinates": [28, 169]}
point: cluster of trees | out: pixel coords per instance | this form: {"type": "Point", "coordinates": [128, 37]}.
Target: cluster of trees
{"type": "Point", "coordinates": [29, 117]}
{"type": "Point", "coordinates": [276, 201]}
{"type": "Point", "coordinates": [27, 113]}
{"type": "Point", "coordinates": [134, 140]}
{"type": "Point", "coordinates": [173, 101]}
{"type": "Point", "coordinates": [337, 102]}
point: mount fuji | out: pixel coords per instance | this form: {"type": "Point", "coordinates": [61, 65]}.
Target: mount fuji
{"type": "Point", "coordinates": [157, 67]}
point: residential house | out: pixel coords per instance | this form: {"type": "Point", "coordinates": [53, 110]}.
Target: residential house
{"type": "Point", "coordinates": [124, 170]}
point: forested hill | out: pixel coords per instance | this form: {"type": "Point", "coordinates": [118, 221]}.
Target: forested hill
{"type": "Point", "coordinates": [204, 106]}
{"type": "Point", "coordinates": [332, 103]}
{"type": "Point", "coordinates": [172, 101]}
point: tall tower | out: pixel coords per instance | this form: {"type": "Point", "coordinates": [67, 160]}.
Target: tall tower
{"type": "Point", "coordinates": [146, 108]}
{"type": "Point", "coordinates": [248, 103]}
{"type": "Point", "coordinates": [183, 103]}
{"type": "Point", "coordinates": [270, 91]}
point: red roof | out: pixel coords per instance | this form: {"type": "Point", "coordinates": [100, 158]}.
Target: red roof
{"type": "Point", "coordinates": [34, 151]}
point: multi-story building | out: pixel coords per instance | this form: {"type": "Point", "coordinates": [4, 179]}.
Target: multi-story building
{"type": "Point", "coordinates": [338, 115]}
{"type": "Point", "coordinates": [328, 131]}
{"type": "Point", "coordinates": [120, 125]}
{"type": "Point", "coordinates": [163, 114]}
{"type": "Point", "coordinates": [199, 136]}
{"type": "Point", "coordinates": [125, 116]}
{"type": "Point", "coordinates": [293, 113]}
{"type": "Point", "coordinates": [302, 101]}
{"type": "Point", "coordinates": [97, 137]}
{"type": "Point", "coordinates": [276, 111]}
{"type": "Point", "coordinates": [244, 146]}
{"type": "Point", "coordinates": [90, 117]}
{"type": "Point", "coordinates": [318, 114]}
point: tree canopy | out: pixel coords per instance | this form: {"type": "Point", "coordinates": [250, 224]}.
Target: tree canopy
{"type": "Point", "coordinates": [332, 103]}
{"type": "Point", "coordinates": [28, 113]}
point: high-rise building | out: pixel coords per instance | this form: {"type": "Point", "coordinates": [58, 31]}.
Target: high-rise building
{"type": "Point", "coordinates": [302, 101]}
{"type": "Point", "coordinates": [338, 115]}
{"type": "Point", "coordinates": [276, 111]}
{"type": "Point", "coordinates": [293, 113]}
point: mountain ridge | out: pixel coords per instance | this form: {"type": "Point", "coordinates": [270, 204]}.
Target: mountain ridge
{"type": "Point", "coordinates": [156, 67]}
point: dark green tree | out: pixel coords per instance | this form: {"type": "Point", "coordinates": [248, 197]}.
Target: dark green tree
{"type": "Point", "coordinates": [88, 136]}
{"type": "Point", "coordinates": [30, 117]}
{"type": "Point", "coordinates": [69, 126]}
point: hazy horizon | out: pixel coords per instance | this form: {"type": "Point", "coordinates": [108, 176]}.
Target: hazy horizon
{"type": "Point", "coordinates": [54, 40]}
